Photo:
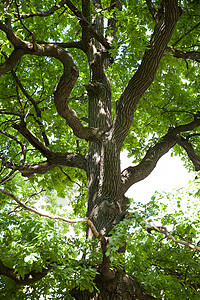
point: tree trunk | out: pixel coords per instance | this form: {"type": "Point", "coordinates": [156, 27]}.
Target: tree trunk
{"type": "Point", "coordinates": [121, 287]}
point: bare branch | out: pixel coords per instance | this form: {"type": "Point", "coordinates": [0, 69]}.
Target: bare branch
{"type": "Point", "coordinates": [185, 34]}
{"type": "Point", "coordinates": [164, 231]}
{"type": "Point", "coordinates": [53, 217]}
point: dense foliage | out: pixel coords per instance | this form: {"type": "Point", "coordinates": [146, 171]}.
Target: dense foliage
{"type": "Point", "coordinates": [48, 258]}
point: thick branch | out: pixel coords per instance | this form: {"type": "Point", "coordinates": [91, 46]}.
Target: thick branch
{"type": "Point", "coordinates": [139, 172]}
{"type": "Point", "coordinates": [61, 94]}
{"type": "Point", "coordinates": [57, 159]}
{"type": "Point", "coordinates": [77, 45]}
{"type": "Point", "coordinates": [34, 140]}
{"type": "Point", "coordinates": [184, 54]}
{"type": "Point", "coordinates": [11, 61]}
{"type": "Point", "coordinates": [167, 18]}
{"type": "Point", "coordinates": [29, 278]}
{"type": "Point", "coordinates": [106, 272]}
{"type": "Point", "coordinates": [65, 85]}
{"type": "Point", "coordinates": [190, 152]}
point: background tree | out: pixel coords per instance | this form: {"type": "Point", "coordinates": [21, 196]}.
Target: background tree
{"type": "Point", "coordinates": [128, 80]}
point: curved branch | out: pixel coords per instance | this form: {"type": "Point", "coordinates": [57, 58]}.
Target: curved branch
{"type": "Point", "coordinates": [131, 175]}
{"type": "Point", "coordinates": [167, 19]}
{"type": "Point", "coordinates": [29, 278]}
{"type": "Point", "coordinates": [11, 61]}
{"type": "Point", "coordinates": [190, 152]}
{"type": "Point", "coordinates": [65, 85]}
{"type": "Point", "coordinates": [61, 94]}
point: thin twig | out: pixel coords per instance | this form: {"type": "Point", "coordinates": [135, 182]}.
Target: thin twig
{"type": "Point", "coordinates": [185, 34]}
{"type": "Point", "coordinates": [68, 176]}
{"type": "Point", "coordinates": [164, 231]}
{"type": "Point", "coordinates": [29, 31]}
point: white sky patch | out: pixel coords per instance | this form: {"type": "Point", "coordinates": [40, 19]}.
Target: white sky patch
{"type": "Point", "coordinates": [167, 175]}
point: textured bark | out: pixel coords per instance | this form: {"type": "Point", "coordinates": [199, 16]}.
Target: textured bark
{"type": "Point", "coordinates": [121, 287]}
{"type": "Point", "coordinates": [107, 185]}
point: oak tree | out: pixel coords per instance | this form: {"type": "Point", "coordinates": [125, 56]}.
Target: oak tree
{"type": "Point", "coordinates": [80, 82]}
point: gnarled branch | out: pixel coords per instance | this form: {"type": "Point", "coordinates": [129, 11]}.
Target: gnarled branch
{"type": "Point", "coordinates": [65, 85]}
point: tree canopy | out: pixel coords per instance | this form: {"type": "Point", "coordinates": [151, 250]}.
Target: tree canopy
{"type": "Point", "coordinates": [80, 82]}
